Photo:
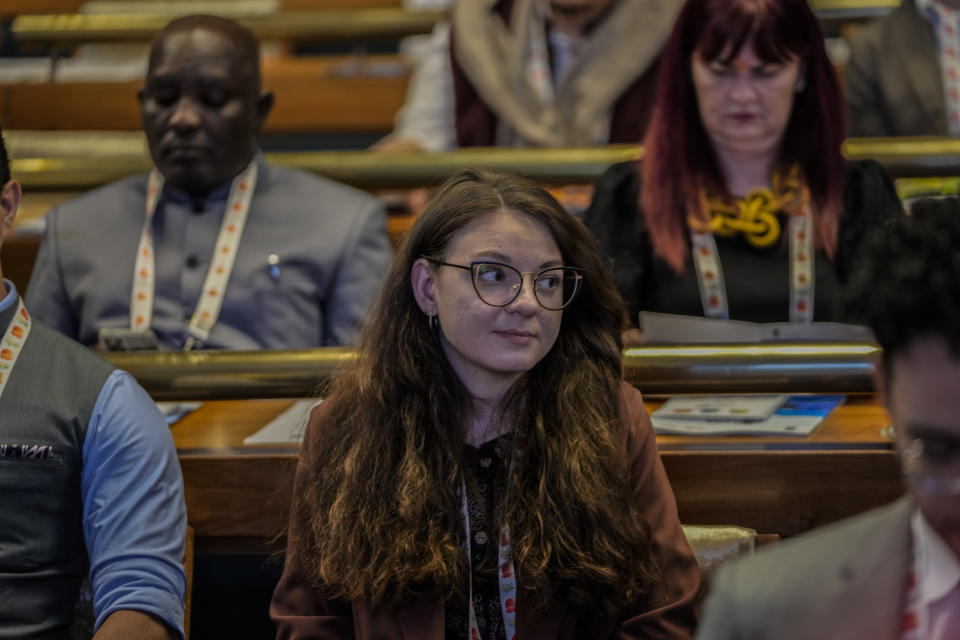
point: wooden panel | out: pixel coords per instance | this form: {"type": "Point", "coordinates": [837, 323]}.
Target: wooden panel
{"type": "Point", "coordinates": [784, 492]}
{"type": "Point", "coordinates": [93, 105]}
{"type": "Point", "coordinates": [337, 4]}
{"type": "Point", "coordinates": [336, 104]}
{"type": "Point", "coordinates": [238, 496]}
{"type": "Point", "coordinates": [312, 95]}
{"type": "Point", "coordinates": [327, 26]}
{"type": "Point", "coordinates": [11, 8]}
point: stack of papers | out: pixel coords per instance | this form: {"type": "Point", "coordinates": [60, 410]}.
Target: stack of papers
{"type": "Point", "coordinates": [288, 427]}
{"type": "Point", "coordinates": [667, 328]}
{"type": "Point", "coordinates": [743, 415]}
{"type": "Point", "coordinates": [173, 412]}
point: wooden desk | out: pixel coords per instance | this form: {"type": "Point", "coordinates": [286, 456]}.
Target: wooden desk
{"type": "Point", "coordinates": [13, 8]}
{"type": "Point", "coordinates": [316, 95]}
{"type": "Point", "coordinates": [238, 496]}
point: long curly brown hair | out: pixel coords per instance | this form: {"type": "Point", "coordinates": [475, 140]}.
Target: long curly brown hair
{"type": "Point", "coordinates": [381, 515]}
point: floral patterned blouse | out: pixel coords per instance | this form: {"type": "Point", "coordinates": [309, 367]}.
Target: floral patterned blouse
{"type": "Point", "coordinates": [486, 480]}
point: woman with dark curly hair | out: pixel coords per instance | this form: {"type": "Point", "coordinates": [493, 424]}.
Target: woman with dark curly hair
{"type": "Point", "coordinates": [742, 206]}
{"type": "Point", "coordinates": [481, 471]}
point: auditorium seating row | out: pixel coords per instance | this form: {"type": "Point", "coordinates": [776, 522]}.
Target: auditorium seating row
{"type": "Point", "coordinates": [320, 95]}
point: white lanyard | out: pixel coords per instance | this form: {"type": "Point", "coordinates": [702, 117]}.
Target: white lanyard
{"type": "Point", "coordinates": [506, 576]}
{"type": "Point", "coordinates": [221, 265]}
{"type": "Point", "coordinates": [713, 290]}
{"type": "Point", "coordinates": [13, 340]}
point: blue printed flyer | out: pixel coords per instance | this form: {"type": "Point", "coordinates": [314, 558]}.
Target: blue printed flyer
{"type": "Point", "coordinates": [799, 415]}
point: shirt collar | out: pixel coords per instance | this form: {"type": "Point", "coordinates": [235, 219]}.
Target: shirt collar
{"type": "Point", "coordinates": [937, 568]}
{"type": "Point", "coordinates": [11, 298]}
{"type": "Point", "coordinates": [218, 195]}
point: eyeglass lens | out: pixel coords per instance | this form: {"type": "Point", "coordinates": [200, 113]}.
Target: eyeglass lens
{"type": "Point", "coordinates": [500, 284]}
{"type": "Point", "coordinates": [931, 464]}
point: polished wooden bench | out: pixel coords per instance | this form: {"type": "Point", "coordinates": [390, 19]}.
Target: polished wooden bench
{"type": "Point", "coordinates": [325, 25]}
{"type": "Point", "coordinates": [62, 25]}
{"type": "Point", "coordinates": [238, 496]}
{"type": "Point", "coordinates": [313, 95]}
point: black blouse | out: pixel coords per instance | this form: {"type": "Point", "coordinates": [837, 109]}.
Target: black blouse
{"type": "Point", "coordinates": [486, 473]}
{"type": "Point", "coordinates": [757, 280]}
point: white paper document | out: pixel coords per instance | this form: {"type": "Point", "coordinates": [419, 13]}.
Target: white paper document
{"type": "Point", "coordinates": [286, 428]}
{"type": "Point", "coordinates": [798, 416]}
{"type": "Point", "coordinates": [739, 408]}
{"type": "Point", "coordinates": [175, 411]}
{"type": "Point", "coordinates": [661, 328]}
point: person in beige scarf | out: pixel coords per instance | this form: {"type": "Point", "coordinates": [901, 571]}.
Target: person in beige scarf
{"type": "Point", "coordinates": [543, 73]}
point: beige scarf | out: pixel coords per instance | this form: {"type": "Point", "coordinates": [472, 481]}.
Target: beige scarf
{"type": "Point", "coordinates": [495, 57]}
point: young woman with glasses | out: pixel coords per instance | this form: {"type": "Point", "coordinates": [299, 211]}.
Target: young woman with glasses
{"type": "Point", "coordinates": [482, 471]}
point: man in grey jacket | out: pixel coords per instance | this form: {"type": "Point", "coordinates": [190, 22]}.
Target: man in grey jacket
{"type": "Point", "coordinates": [215, 248]}
{"type": "Point", "coordinates": [893, 572]}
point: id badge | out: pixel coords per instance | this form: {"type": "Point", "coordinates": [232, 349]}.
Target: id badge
{"type": "Point", "coordinates": [126, 339]}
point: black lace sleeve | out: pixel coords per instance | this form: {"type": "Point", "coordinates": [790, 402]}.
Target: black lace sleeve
{"type": "Point", "coordinates": [615, 221]}
{"type": "Point", "coordinates": [870, 201]}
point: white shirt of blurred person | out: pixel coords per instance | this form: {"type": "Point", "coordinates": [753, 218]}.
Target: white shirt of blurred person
{"type": "Point", "coordinates": [551, 73]}
{"type": "Point", "coordinates": [892, 573]}
{"type": "Point", "coordinates": [307, 260]}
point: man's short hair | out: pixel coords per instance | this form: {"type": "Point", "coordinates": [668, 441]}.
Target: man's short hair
{"type": "Point", "coordinates": [4, 161]}
{"type": "Point", "coordinates": [907, 284]}
{"type": "Point", "coordinates": [246, 42]}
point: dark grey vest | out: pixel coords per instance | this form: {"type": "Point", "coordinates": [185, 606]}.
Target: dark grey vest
{"type": "Point", "coordinates": [48, 402]}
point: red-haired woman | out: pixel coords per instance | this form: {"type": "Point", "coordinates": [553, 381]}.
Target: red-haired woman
{"type": "Point", "coordinates": [742, 206]}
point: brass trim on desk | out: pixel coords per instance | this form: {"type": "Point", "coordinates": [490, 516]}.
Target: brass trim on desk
{"type": "Point", "coordinates": [823, 367]}
{"type": "Point", "coordinates": [656, 370]}
{"type": "Point", "coordinates": [909, 157]}
{"type": "Point", "coordinates": [903, 157]}
{"type": "Point", "coordinates": [328, 25]}
{"type": "Point", "coordinates": [211, 375]}
{"type": "Point", "coordinates": [390, 170]}
{"type": "Point", "coordinates": [837, 11]}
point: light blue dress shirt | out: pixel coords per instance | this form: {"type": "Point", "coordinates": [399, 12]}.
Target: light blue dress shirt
{"type": "Point", "coordinates": [134, 517]}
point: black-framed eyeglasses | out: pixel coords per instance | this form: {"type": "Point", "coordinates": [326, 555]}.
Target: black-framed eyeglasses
{"type": "Point", "coordinates": [931, 464]}
{"type": "Point", "coordinates": [499, 284]}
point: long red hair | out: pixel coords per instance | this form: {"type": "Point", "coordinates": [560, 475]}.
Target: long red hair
{"type": "Point", "coordinates": [679, 160]}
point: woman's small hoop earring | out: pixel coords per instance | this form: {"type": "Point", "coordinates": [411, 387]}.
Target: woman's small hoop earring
{"type": "Point", "coordinates": [434, 323]}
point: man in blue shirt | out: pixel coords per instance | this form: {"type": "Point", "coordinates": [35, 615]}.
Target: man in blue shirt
{"type": "Point", "coordinates": [92, 497]}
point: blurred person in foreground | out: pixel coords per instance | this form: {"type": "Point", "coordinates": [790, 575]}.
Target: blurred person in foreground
{"type": "Point", "coordinates": [742, 206]}
{"type": "Point", "coordinates": [215, 248]}
{"type": "Point", "coordinates": [535, 73]}
{"type": "Point", "coordinates": [92, 524]}
{"type": "Point", "coordinates": [892, 573]}
{"type": "Point", "coordinates": [482, 471]}
{"type": "Point", "coordinates": [903, 76]}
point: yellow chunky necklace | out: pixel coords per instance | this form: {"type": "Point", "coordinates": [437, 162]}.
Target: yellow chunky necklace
{"type": "Point", "coordinates": [755, 216]}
